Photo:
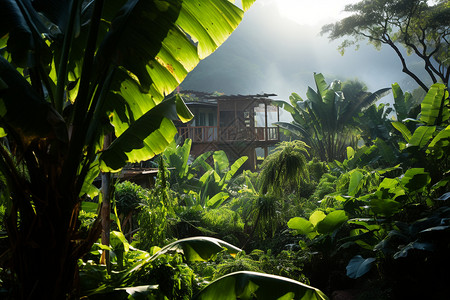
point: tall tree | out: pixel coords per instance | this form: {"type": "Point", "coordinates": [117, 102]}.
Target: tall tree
{"type": "Point", "coordinates": [72, 72]}
{"type": "Point", "coordinates": [421, 27]}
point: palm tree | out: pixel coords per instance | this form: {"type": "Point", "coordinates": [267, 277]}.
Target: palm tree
{"type": "Point", "coordinates": [324, 120]}
{"type": "Point", "coordinates": [74, 72]}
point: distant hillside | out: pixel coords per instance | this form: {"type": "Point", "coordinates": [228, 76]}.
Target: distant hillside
{"type": "Point", "coordinates": [270, 54]}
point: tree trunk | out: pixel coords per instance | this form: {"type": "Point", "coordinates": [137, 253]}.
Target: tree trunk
{"type": "Point", "coordinates": [106, 210]}
{"type": "Point", "coordinates": [46, 247]}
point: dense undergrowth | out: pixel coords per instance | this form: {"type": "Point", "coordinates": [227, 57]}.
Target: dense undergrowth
{"type": "Point", "coordinates": [373, 226]}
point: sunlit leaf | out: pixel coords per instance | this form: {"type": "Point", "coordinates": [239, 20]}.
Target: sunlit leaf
{"type": "Point", "coordinates": [435, 105]}
{"type": "Point", "coordinates": [166, 54]}
{"type": "Point", "coordinates": [403, 130]}
{"type": "Point", "coordinates": [252, 285]}
{"type": "Point", "coordinates": [332, 221]}
{"type": "Point", "coordinates": [350, 152]}
{"type": "Point", "coordinates": [316, 217]}
{"type": "Point", "coordinates": [321, 84]}
{"type": "Point", "coordinates": [221, 162]}
{"type": "Point", "coordinates": [354, 184]}
{"type": "Point", "coordinates": [301, 225]}
{"type": "Point", "coordinates": [247, 3]}
{"type": "Point", "coordinates": [388, 183]}
{"type": "Point", "coordinates": [217, 200]}
{"type": "Point", "coordinates": [144, 138]}
{"type": "Point", "coordinates": [421, 136]}
{"type": "Point", "coordinates": [91, 207]}
{"type": "Point", "coordinates": [233, 169]}
{"type": "Point", "coordinates": [198, 248]}
{"type": "Point", "coordinates": [88, 187]}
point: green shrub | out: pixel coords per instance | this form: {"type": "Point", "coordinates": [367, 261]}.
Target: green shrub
{"type": "Point", "coordinates": [129, 196]}
{"type": "Point", "coordinates": [241, 262]}
{"type": "Point", "coordinates": [225, 222]}
{"type": "Point", "coordinates": [327, 185]}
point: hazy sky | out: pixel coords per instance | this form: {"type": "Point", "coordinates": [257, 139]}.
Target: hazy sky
{"type": "Point", "coordinates": [307, 12]}
{"type": "Point", "coordinates": [278, 47]}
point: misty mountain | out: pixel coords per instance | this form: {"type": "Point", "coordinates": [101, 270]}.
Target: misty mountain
{"type": "Point", "coordinates": [268, 53]}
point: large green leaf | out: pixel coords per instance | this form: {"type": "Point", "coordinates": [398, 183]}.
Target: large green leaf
{"type": "Point", "coordinates": [217, 200]}
{"type": "Point", "coordinates": [435, 110]}
{"type": "Point", "coordinates": [442, 135]}
{"type": "Point", "coordinates": [233, 169]}
{"type": "Point", "coordinates": [439, 146]}
{"type": "Point", "coordinates": [321, 84]}
{"type": "Point", "coordinates": [401, 102]}
{"type": "Point", "coordinates": [415, 179]}
{"type": "Point", "coordinates": [200, 162]}
{"type": "Point", "coordinates": [199, 248]}
{"type": "Point", "coordinates": [331, 222]}
{"type": "Point", "coordinates": [421, 136]}
{"type": "Point", "coordinates": [177, 157]}
{"type": "Point", "coordinates": [251, 285]}
{"type": "Point", "coordinates": [403, 130]}
{"type": "Point", "coordinates": [316, 217]}
{"type": "Point", "coordinates": [354, 184]}
{"type": "Point", "coordinates": [153, 39]}
{"type": "Point", "coordinates": [358, 266]}
{"type": "Point", "coordinates": [284, 105]}
{"type": "Point", "coordinates": [246, 4]}
{"type": "Point", "coordinates": [301, 225]}
{"type": "Point", "coordinates": [384, 206]}
{"type": "Point", "coordinates": [158, 51]}
{"type": "Point", "coordinates": [221, 162]}
{"type": "Point", "coordinates": [146, 137]}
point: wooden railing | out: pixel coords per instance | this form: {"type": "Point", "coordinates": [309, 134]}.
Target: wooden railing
{"type": "Point", "coordinates": [203, 134]}
{"type": "Point", "coordinates": [199, 134]}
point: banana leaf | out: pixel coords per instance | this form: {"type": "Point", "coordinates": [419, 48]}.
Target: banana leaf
{"type": "Point", "coordinates": [251, 285]}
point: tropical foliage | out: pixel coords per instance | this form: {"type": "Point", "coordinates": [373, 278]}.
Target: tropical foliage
{"type": "Point", "coordinates": [324, 120]}
{"type": "Point", "coordinates": [71, 74]}
{"type": "Point", "coordinates": [392, 217]}
{"type": "Point", "coordinates": [358, 208]}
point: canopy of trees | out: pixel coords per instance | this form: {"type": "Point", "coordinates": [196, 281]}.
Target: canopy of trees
{"type": "Point", "coordinates": [416, 25]}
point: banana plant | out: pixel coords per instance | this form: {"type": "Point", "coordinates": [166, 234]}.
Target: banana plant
{"type": "Point", "coordinates": [427, 144]}
{"type": "Point", "coordinates": [324, 119]}
{"type": "Point", "coordinates": [193, 249]}
{"type": "Point", "coordinates": [72, 73]}
{"type": "Point", "coordinates": [210, 190]}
